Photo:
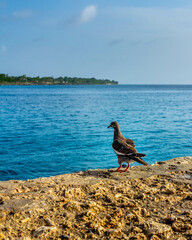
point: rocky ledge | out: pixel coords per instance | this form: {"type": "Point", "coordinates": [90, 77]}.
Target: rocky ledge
{"type": "Point", "coordinates": [150, 202]}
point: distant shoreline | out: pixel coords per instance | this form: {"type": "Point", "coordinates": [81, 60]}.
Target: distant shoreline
{"type": "Point", "coordinates": [29, 84]}
{"type": "Point", "coordinates": [23, 80]}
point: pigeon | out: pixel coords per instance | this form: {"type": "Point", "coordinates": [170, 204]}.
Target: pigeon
{"type": "Point", "coordinates": [125, 149]}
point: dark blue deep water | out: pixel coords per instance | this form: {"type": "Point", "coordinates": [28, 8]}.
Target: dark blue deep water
{"type": "Point", "coordinates": [50, 130]}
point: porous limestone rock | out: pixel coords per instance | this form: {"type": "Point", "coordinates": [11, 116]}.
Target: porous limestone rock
{"type": "Point", "coordinates": [154, 228]}
{"type": "Point", "coordinates": [149, 202]}
{"type": "Point", "coordinates": [42, 230]}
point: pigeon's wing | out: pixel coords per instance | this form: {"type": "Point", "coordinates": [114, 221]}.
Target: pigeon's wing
{"type": "Point", "coordinates": [130, 141]}
{"type": "Point", "coordinates": [122, 148]}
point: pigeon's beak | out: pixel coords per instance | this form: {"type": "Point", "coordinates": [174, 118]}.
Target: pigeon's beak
{"type": "Point", "coordinates": [109, 126]}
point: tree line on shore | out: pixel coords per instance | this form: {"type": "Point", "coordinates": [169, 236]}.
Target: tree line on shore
{"type": "Point", "coordinates": [25, 80]}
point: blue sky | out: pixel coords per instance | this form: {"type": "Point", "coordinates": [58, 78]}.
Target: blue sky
{"type": "Point", "coordinates": [133, 42]}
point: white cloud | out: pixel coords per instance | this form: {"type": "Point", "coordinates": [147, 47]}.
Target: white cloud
{"type": "Point", "coordinates": [3, 48]}
{"type": "Point", "coordinates": [141, 25]}
{"type": "Point", "coordinates": [87, 14]}
{"type": "Point", "coordinates": [155, 17]}
{"type": "Point", "coordinates": [23, 14]}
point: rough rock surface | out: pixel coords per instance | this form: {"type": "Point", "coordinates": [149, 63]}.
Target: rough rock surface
{"type": "Point", "coordinates": [150, 202]}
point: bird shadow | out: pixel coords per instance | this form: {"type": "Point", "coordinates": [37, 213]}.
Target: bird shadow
{"type": "Point", "coordinates": [98, 173]}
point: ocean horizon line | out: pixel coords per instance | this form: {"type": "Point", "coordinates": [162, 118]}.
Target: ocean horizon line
{"type": "Point", "coordinates": [120, 84]}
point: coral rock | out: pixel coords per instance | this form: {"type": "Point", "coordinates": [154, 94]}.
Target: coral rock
{"type": "Point", "coordinates": [73, 206]}
{"type": "Point", "coordinates": [154, 228]}
{"type": "Point", "coordinates": [42, 230]}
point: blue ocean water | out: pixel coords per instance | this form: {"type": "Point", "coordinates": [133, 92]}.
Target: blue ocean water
{"type": "Point", "coordinates": [51, 130]}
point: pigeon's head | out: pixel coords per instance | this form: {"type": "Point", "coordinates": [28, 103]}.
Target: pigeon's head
{"type": "Point", "coordinates": [113, 125]}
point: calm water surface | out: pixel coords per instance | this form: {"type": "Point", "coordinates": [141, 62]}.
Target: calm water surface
{"type": "Point", "coordinates": [50, 130]}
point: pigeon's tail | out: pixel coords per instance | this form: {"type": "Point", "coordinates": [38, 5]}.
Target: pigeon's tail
{"type": "Point", "coordinates": [137, 155]}
{"type": "Point", "coordinates": [139, 160]}
{"type": "Point", "coordinates": [140, 155]}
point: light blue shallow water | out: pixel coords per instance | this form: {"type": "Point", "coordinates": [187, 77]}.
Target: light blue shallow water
{"type": "Point", "coordinates": [50, 130]}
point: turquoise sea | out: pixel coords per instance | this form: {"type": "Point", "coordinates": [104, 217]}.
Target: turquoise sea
{"type": "Point", "coordinates": [51, 130]}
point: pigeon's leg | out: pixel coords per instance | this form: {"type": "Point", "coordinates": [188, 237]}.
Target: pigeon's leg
{"type": "Point", "coordinates": [117, 170]}
{"type": "Point", "coordinates": [127, 168]}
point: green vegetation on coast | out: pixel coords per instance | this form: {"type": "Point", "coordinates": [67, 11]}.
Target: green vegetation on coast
{"type": "Point", "coordinates": [24, 80]}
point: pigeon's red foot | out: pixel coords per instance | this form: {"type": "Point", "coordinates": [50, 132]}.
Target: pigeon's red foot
{"type": "Point", "coordinates": [126, 169]}
{"type": "Point", "coordinates": [121, 171]}
{"type": "Point", "coordinates": [118, 169]}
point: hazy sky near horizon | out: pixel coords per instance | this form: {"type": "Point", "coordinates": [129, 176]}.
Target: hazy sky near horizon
{"type": "Point", "coordinates": [133, 42]}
